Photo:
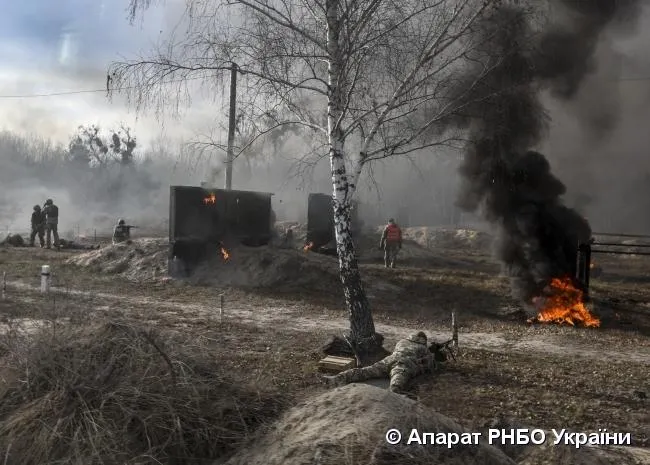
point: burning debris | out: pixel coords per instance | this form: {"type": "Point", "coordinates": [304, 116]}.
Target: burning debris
{"type": "Point", "coordinates": [308, 246]}
{"type": "Point", "coordinates": [564, 304]}
{"type": "Point", "coordinates": [225, 254]}
{"type": "Point", "coordinates": [538, 235]}
{"type": "Point", "coordinates": [210, 199]}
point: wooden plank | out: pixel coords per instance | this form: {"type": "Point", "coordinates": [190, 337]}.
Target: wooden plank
{"type": "Point", "coordinates": [336, 364]}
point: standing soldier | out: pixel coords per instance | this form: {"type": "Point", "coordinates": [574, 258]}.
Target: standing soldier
{"type": "Point", "coordinates": [38, 226]}
{"type": "Point", "coordinates": [391, 243]}
{"type": "Point", "coordinates": [51, 213]}
{"type": "Point", "coordinates": [411, 357]}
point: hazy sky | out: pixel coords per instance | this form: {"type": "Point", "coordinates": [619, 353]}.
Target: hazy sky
{"type": "Point", "coordinates": [49, 46]}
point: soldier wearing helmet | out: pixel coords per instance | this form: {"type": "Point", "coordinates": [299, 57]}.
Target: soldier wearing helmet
{"type": "Point", "coordinates": [51, 213]}
{"type": "Point", "coordinates": [121, 231]}
{"type": "Point", "coordinates": [38, 226]}
{"type": "Point", "coordinates": [391, 243]}
{"type": "Point", "coordinates": [410, 358]}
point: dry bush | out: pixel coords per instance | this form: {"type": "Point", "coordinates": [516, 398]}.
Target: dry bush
{"type": "Point", "coordinates": [115, 393]}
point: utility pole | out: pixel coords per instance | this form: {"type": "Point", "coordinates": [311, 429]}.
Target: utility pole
{"type": "Point", "coordinates": [231, 125]}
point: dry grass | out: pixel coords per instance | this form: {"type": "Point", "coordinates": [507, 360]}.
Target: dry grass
{"type": "Point", "coordinates": [115, 392]}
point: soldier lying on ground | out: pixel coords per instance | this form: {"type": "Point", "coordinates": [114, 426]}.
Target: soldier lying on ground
{"type": "Point", "coordinates": [411, 357]}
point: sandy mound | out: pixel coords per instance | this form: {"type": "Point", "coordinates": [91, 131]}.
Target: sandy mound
{"type": "Point", "coordinates": [137, 260]}
{"type": "Point", "coordinates": [118, 393]}
{"type": "Point", "coordinates": [445, 238]}
{"type": "Point", "coordinates": [144, 260]}
{"type": "Point", "coordinates": [349, 424]}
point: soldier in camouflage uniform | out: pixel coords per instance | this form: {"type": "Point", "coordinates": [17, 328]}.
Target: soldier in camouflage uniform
{"type": "Point", "coordinates": [410, 358]}
{"type": "Point", "coordinates": [51, 213]}
{"type": "Point", "coordinates": [38, 227]}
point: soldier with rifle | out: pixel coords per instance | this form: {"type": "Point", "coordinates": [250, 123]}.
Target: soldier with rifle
{"type": "Point", "coordinates": [122, 231]}
{"type": "Point", "coordinates": [411, 357]}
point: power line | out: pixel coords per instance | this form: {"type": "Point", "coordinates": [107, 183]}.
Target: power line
{"type": "Point", "coordinates": [94, 91]}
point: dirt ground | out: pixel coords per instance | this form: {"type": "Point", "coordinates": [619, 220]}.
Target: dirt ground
{"type": "Point", "coordinates": [548, 376]}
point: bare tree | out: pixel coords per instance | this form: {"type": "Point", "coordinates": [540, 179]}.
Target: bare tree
{"type": "Point", "coordinates": [370, 78]}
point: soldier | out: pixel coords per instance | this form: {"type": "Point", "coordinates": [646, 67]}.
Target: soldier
{"type": "Point", "coordinates": [410, 358]}
{"type": "Point", "coordinates": [51, 213]}
{"type": "Point", "coordinates": [38, 226]}
{"type": "Point", "coordinates": [391, 243]}
{"type": "Point", "coordinates": [122, 231]}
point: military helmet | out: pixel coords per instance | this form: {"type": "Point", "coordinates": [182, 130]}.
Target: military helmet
{"type": "Point", "coordinates": [419, 337]}
{"type": "Point", "coordinates": [37, 207]}
{"type": "Point", "coordinates": [392, 220]}
{"type": "Point", "coordinates": [48, 202]}
{"type": "Point", "coordinates": [120, 221]}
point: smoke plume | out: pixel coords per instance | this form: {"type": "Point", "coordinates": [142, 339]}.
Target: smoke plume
{"type": "Point", "coordinates": [502, 173]}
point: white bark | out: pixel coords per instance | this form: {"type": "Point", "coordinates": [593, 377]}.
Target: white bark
{"type": "Point", "coordinates": [362, 329]}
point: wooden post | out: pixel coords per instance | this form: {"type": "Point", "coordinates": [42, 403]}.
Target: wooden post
{"type": "Point", "coordinates": [454, 330]}
{"type": "Point", "coordinates": [231, 125]}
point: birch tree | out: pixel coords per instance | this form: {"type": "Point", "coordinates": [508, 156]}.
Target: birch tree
{"type": "Point", "coordinates": [369, 79]}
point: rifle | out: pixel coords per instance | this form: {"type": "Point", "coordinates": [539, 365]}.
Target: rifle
{"type": "Point", "coordinates": [448, 348]}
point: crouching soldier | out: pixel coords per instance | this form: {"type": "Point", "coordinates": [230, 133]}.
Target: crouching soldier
{"type": "Point", "coordinates": [410, 358]}
{"type": "Point", "coordinates": [122, 231]}
{"type": "Point", "coordinates": [38, 227]}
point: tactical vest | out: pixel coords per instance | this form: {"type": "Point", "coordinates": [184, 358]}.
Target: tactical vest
{"type": "Point", "coordinates": [51, 214]}
{"type": "Point", "coordinates": [393, 233]}
{"type": "Point", "coordinates": [121, 233]}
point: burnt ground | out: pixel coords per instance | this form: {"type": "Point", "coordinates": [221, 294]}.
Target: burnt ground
{"type": "Point", "coordinates": [544, 375]}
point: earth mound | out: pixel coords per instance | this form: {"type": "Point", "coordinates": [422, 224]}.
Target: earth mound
{"type": "Point", "coordinates": [349, 425]}
{"type": "Point", "coordinates": [147, 259]}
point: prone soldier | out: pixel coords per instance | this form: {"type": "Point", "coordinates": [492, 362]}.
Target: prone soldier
{"type": "Point", "coordinates": [410, 358]}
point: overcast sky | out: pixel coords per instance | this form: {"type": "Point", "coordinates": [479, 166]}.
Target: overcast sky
{"type": "Point", "coordinates": [49, 46]}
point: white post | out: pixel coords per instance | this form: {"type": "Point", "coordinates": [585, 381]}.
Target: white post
{"type": "Point", "coordinates": [4, 285]}
{"type": "Point", "coordinates": [45, 278]}
{"type": "Point", "coordinates": [454, 330]}
{"type": "Point", "coordinates": [220, 307]}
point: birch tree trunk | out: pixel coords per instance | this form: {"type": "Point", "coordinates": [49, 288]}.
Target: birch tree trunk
{"type": "Point", "coordinates": [362, 327]}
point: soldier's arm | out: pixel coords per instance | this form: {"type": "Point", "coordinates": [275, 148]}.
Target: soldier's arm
{"type": "Point", "coordinates": [383, 237]}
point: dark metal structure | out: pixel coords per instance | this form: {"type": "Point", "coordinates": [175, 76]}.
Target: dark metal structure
{"type": "Point", "coordinates": [586, 250]}
{"type": "Point", "coordinates": [320, 222]}
{"type": "Point", "coordinates": [203, 220]}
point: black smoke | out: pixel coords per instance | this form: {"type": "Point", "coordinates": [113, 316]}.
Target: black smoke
{"type": "Point", "coordinates": [503, 176]}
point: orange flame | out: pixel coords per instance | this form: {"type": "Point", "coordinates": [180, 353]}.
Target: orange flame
{"type": "Point", "coordinates": [308, 246]}
{"type": "Point", "coordinates": [565, 306]}
{"type": "Point", "coordinates": [225, 254]}
{"type": "Point", "coordinates": [210, 199]}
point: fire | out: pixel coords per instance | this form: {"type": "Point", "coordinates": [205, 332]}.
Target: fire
{"type": "Point", "coordinates": [210, 199]}
{"type": "Point", "coordinates": [565, 306]}
{"type": "Point", "coordinates": [308, 247]}
{"type": "Point", "coordinates": [225, 254]}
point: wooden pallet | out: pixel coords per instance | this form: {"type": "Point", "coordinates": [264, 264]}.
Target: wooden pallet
{"type": "Point", "coordinates": [336, 364]}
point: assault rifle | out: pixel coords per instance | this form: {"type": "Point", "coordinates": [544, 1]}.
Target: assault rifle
{"type": "Point", "coordinates": [447, 349]}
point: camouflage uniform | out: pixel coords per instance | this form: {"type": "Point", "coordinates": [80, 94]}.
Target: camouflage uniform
{"type": "Point", "coordinates": [38, 226]}
{"type": "Point", "coordinates": [121, 232]}
{"type": "Point", "coordinates": [410, 358]}
{"type": "Point", "coordinates": [391, 242]}
{"type": "Point", "coordinates": [51, 213]}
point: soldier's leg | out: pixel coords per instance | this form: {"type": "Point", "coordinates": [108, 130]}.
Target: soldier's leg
{"type": "Point", "coordinates": [55, 231]}
{"type": "Point", "coordinates": [48, 236]}
{"type": "Point", "coordinates": [400, 376]}
{"type": "Point", "coordinates": [41, 237]}
{"type": "Point", "coordinates": [386, 255]}
{"type": "Point", "coordinates": [32, 237]}
{"type": "Point", "coordinates": [355, 375]}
